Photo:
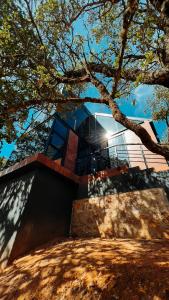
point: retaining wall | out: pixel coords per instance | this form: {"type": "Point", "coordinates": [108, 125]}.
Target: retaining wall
{"type": "Point", "coordinates": [140, 214]}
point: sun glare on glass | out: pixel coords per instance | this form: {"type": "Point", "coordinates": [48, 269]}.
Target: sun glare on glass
{"type": "Point", "coordinates": [108, 134]}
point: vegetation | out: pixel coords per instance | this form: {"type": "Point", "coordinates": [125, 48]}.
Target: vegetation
{"type": "Point", "coordinates": [121, 44]}
{"type": "Point", "coordinates": [160, 106]}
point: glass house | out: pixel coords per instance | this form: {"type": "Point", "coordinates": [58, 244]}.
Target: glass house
{"type": "Point", "coordinates": [102, 142]}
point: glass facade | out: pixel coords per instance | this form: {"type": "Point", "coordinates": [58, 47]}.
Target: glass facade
{"type": "Point", "coordinates": [117, 149]}
{"type": "Point", "coordinates": [57, 139]}
{"type": "Point", "coordinates": [92, 155]}
{"type": "Point", "coordinates": [109, 124]}
{"type": "Point", "coordinates": [101, 141]}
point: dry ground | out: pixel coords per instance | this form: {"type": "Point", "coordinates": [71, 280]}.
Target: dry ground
{"type": "Point", "coordinates": [90, 269]}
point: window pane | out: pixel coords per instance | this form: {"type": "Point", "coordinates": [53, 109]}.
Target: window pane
{"type": "Point", "coordinates": [57, 141]}
{"type": "Point", "coordinates": [60, 128]}
{"type": "Point", "coordinates": [118, 154]}
{"type": "Point", "coordinates": [109, 124]}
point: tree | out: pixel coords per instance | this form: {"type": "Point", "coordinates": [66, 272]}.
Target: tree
{"type": "Point", "coordinates": [30, 142]}
{"type": "Point", "coordinates": [3, 162]}
{"type": "Point", "coordinates": [123, 43]}
{"type": "Point", "coordinates": [160, 106]}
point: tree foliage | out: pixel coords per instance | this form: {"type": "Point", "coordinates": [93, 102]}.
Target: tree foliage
{"type": "Point", "coordinates": [160, 106]}
{"type": "Point", "coordinates": [30, 142]}
{"type": "Point", "coordinates": [121, 44]}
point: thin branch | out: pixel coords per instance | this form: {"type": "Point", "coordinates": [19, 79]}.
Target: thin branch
{"type": "Point", "coordinates": [160, 76]}
{"type": "Point", "coordinates": [34, 103]}
{"type": "Point", "coordinates": [127, 19]}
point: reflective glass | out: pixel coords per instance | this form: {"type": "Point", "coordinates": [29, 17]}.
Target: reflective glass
{"type": "Point", "coordinates": [60, 128]}
{"type": "Point", "coordinates": [57, 141]}
{"type": "Point", "coordinates": [109, 124]}
{"type": "Point", "coordinates": [118, 154]}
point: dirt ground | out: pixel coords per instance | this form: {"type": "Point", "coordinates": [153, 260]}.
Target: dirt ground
{"type": "Point", "coordinates": [90, 269]}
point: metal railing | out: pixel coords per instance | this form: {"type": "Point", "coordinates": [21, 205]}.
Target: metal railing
{"type": "Point", "coordinates": [133, 154]}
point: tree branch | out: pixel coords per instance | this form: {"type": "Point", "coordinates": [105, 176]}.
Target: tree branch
{"type": "Point", "coordinates": [160, 77]}
{"type": "Point", "coordinates": [28, 104]}
{"type": "Point", "coordinates": [122, 119]}
{"type": "Point", "coordinates": [127, 19]}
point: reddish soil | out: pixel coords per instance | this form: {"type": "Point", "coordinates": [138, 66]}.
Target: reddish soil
{"type": "Point", "coordinates": [90, 269]}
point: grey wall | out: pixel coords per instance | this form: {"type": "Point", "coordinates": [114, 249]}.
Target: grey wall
{"type": "Point", "coordinates": [35, 208]}
{"type": "Point", "coordinates": [48, 212]}
{"type": "Point", "coordinates": [135, 179]}
{"type": "Point", "coordinates": [14, 194]}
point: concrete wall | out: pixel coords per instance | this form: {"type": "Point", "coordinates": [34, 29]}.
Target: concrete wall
{"type": "Point", "coordinates": [48, 213]}
{"type": "Point", "coordinates": [133, 180]}
{"type": "Point", "coordinates": [14, 194]}
{"type": "Point", "coordinates": [35, 208]}
{"type": "Point", "coordinates": [137, 214]}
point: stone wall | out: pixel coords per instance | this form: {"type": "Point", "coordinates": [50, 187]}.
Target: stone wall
{"type": "Point", "coordinates": [137, 214]}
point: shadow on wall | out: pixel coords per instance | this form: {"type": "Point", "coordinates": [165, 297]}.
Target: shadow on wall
{"type": "Point", "coordinates": [35, 208]}
{"type": "Point", "coordinates": [138, 214]}
{"type": "Point", "coordinates": [133, 180]}
{"type": "Point", "coordinates": [13, 198]}
{"type": "Point", "coordinates": [90, 269]}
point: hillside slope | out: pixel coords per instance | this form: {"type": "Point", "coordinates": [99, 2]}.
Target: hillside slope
{"type": "Point", "coordinates": [90, 269]}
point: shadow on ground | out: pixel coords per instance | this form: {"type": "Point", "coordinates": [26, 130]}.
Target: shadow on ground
{"type": "Point", "coordinates": [137, 214]}
{"type": "Point", "coordinates": [90, 269]}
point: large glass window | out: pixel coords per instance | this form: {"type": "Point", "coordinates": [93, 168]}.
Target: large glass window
{"type": "Point", "coordinates": [60, 128]}
{"type": "Point", "coordinates": [109, 124]}
{"type": "Point", "coordinates": [117, 150]}
{"type": "Point", "coordinates": [57, 141]}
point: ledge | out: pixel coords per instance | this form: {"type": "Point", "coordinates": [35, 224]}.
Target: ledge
{"type": "Point", "coordinates": [105, 173]}
{"type": "Point", "coordinates": [40, 159]}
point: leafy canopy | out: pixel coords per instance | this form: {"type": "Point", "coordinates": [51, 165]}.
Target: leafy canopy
{"type": "Point", "coordinates": [111, 44]}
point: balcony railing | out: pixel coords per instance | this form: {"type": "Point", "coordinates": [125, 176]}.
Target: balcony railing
{"type": "Point", "coordinates": [133, 154]}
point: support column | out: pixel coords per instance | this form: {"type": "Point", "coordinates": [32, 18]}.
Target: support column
{"type": "Point", "coordinates": [71, 151]}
